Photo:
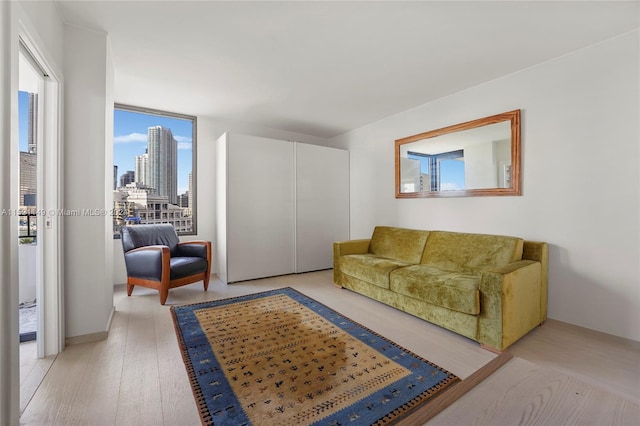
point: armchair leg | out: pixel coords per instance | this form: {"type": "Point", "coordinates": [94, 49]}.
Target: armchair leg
{"type": "Point", "coordinates": [164, 293]}
{"type": "Point", "coordinates": [129, 289]}
{"type": "Point", "coordinates": [206, 282]}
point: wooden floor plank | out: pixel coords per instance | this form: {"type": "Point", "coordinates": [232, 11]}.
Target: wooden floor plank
{"type": "Point", "coordinates": [32, 371]}
{"type": "Point", "coordinates": [606, 361]}
{"type": "Point", "coordinates": [178, 406]}
{"type": "Point", "coordinates": [452, 394]}
{"type": "Point", "coordinates": [57, 399]}
{"type": "Point", "coordinates": [103, 378]}
{"type": "Point", "coordinates": [525, 393]}
{"type": "Point", "coordinates": [140, 401]}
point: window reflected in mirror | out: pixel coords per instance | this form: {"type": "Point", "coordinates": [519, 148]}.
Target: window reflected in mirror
{"type": "Point", "coordinates": [475, 158]}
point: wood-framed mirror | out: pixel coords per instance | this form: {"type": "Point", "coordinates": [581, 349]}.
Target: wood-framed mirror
{"type": "Point", "coordinates": [476, 158]}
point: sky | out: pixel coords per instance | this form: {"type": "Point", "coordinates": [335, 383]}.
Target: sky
{"type": "Point", "coordinates": [130, 139]}
{"type": "Point", "coordinates": [451, 175]}
{"type": "Point", "coordinates": [23, 111]}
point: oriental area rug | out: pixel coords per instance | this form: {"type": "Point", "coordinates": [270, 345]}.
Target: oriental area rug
{"type": "Point", "coordinates": [281, 358]}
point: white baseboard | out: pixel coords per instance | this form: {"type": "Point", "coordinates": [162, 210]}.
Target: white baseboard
{"type": "Point", "coordinates": [92, 337]}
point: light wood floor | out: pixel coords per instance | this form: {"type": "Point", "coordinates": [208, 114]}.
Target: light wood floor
{"type": "Point", "coordinates": [561, 374]}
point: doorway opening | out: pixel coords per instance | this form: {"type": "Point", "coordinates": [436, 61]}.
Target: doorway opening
{"type": "Point", "coordinates": [30, 101]}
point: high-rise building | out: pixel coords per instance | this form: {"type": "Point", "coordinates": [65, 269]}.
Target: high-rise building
{"type": "Point", "coordinates": [183, 200]}
{"type": "Point", "coordinates": [28, 182]}
{"type": "Point", "coordinates": [32, 120]}
{"type": "Point", "coordinates": [190, 206]}
{"type": "Point", "coordinates": [115, 177]}
{"type": "Point", "coordinates": [140, 171]}
{"type": "Point", "coordinates": [162, 166]}
{"type": "Point", "coordinates": [127, 178]}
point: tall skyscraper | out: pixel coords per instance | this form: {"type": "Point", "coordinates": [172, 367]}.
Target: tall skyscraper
{"type": "Point", "coordinates": [29, 159]}
{"type": "Point", "coordinates": [162, 166]}
{"type": "Point", "coordinates": [32, 132]}
{"type": "Point", "coordinates": [190, 191]}
{"type": "Point", "coordinates": [28, 182]}
{"type": "Point", "coordinates": [140, 172]}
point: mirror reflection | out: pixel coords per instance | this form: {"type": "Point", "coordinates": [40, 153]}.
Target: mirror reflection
{"type": "Point", "coordinates": [479, 157]}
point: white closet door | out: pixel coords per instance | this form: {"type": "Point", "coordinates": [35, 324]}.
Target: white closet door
{"type": "Point", "coordinates": [260, 209]}
{"type": "Point", "coordinates": [322, 204]}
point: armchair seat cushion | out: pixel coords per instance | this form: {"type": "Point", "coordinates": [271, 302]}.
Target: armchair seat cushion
{"type": "Point", "coordinates": [370, 268]}
{"type": "Point", "coordinates": [185, 266]}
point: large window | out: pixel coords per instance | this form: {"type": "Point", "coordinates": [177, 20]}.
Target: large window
{"type": "Point", "coordinates": [154, 173]}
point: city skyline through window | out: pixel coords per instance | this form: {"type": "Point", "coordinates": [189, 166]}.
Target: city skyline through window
{"type": "Point", "coordinates": [27, 141]}
{"type": "Point", "coordinates": [153, 157]}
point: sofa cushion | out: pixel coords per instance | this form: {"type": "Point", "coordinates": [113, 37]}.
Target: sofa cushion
{"type": "Point", "coordinates": [452, 290]}
{"type": "Point", "coordinates": [369, 268]}
{"type": "Point", "coordinates": [405, 245]}
{"type": "Point", "coordinates": [470, 253]}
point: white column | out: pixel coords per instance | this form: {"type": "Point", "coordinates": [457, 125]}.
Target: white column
{"type": "Point", "coordinates": [9, 332]}
{"type": "Point", "coordinates": [88, 240]}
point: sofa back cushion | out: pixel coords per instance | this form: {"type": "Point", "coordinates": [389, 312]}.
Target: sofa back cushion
{"type": "Point", "coordinates": [405, 245]}
{"type": "Point", "coordinates": [470, 253]}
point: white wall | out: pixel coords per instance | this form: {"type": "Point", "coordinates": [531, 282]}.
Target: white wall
{"type": "Point", "coordinates": [209, 130]}
{"type": "Point", "coordinates": [9, 355]}
{"type": "Point", "coordinates": [43, 16]}
{"type": "Point", "coordinates": [580, 165]}
{"type": "Point", "coordinates": [88, 141]}
{"type": "Point", "coordinates": [27, 255]}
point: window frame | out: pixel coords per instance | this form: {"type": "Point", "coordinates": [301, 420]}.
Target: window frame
{"type": "Point", "coordinates": [194, 144]}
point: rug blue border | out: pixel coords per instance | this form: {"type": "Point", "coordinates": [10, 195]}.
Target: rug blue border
{"type": "Point", "coordinates": [223, 406]}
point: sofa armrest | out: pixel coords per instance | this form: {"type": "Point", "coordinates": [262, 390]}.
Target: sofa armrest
{"type": "Point", "coordinates": [351, 247]}
{"type": "Point", "coordinates": [510, 301]}
{"type": "Point", "coordinates": [343, 248]}
{"type": "Point", "coordinates": [538, 251]}
{"type": "Point", "coordinates": [147, 262]}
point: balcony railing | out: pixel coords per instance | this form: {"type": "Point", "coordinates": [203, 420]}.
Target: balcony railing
{"type": "Point", "coordinates": [28, 229]}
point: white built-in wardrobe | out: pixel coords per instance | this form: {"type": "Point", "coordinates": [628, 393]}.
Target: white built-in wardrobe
{"type": "Point", "coordinates": [280, 206]}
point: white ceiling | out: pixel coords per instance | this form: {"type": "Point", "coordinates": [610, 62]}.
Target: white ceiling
{"type": "Point", "coordinates": [323, 68]}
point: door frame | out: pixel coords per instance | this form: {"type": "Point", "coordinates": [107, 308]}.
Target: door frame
{"type": "Point", "coordinates": [49, 276]}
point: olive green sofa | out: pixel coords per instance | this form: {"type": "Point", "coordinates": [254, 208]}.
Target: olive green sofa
{"type": "Point", "coordinates": [490, 288]}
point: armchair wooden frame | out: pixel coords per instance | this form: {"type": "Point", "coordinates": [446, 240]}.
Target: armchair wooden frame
{"type": "Point", "coordinates": [166, 282]}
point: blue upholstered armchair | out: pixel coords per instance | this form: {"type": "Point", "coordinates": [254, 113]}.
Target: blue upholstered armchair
{"type": "Point", "coordinates": [155, 258]}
